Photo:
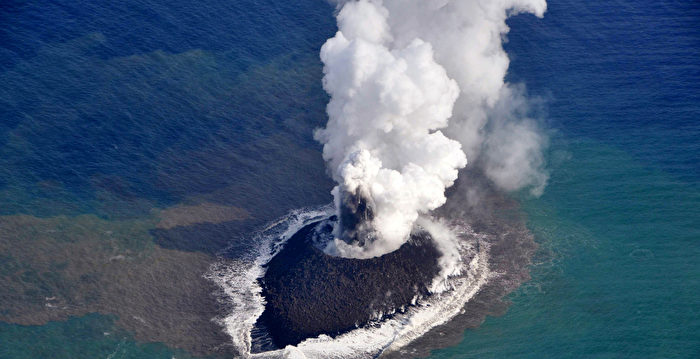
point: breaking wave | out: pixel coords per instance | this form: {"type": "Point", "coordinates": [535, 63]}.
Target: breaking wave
{"type": "Point", "coordinates": [451, 291]}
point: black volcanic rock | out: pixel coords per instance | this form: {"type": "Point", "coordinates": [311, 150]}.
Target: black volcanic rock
{"type": "Point", "coordinates": [309, 293]}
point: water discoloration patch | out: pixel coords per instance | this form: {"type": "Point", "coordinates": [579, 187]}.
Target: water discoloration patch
{"type": "Point", "coordinates": [59, 267]}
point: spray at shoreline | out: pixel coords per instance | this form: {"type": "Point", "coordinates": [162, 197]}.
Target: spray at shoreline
{"type": "Point", "coordinates": [416, 88]}
{"type": "Point", "coordinates": [493, 256]}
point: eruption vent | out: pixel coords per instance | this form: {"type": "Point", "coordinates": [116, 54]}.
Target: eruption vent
{"type": "Point", "coordinates": [415, 84]}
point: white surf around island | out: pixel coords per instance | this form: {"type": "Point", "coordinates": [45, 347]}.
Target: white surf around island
{"type": "Point", "coordinates": [461, 277]}
{"type": "Point", "coordinates": [416, 87]}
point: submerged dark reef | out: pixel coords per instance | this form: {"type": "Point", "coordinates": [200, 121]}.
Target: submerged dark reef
{"type": "Point", "coordinates": [309, 293]}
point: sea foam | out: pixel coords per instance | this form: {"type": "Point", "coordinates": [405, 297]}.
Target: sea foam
{"type": "Point", "coordinates": [452, 290]}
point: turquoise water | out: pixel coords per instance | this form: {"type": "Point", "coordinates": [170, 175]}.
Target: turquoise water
{"type": "Point", "coordinates": [92, 336]}
{"type": "Point", "coordinates": [616, 275]}
{"type": "Point", "coordinates": [114, 110]}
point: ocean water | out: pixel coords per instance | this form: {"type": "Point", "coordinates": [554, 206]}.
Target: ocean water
{"type": "Point", "coordinates": [92, 336]}
{"type": "Point", "coordinates": [119, 110]}
{"type": "Point", "coordinates": [617, 273]}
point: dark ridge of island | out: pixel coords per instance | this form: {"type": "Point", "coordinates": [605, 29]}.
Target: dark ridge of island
{"type": "Point", "coordinates": [309, 293]}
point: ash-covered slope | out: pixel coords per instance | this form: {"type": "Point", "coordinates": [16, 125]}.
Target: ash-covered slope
{"type": "Point", "coordinates": [309, 293]}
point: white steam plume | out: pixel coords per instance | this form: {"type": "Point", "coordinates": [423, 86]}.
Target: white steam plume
{"type": "Point", "coordinates": [413, 85]}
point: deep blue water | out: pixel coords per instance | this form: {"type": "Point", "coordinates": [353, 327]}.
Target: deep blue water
{"type": "Point", "coordinates": [626, 73]}
{"type": "Point", "coordinates": [117, 108]}
{"type": "Point", "coordinates": [159, 101]}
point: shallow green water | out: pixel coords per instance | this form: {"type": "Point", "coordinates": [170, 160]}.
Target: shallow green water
{"type": "Point", "coordinates": [91, 336]}
{"type": "Point", "coordinates": [617, 273]}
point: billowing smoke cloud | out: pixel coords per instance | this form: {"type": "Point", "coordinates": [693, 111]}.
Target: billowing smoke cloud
{"type": "Point", "coordinates": [512, 144]}
{"type": "Point", "coordinates": [414, 85]}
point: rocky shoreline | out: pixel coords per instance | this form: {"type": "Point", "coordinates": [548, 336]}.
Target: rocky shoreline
{"type": "Point", "coordinates": [309, 293]}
